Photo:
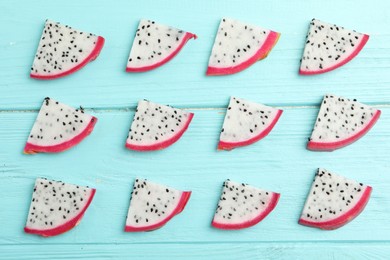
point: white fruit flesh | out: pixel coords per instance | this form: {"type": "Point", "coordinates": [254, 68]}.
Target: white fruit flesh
{"type": "Point", "coordinates": [340, 118]}
{"type": "Point", "coordinates": [151, 203]}
{"type": "Point", "coordinates": [154, 123]}
{"type": "Point", "coordinates": [61, 48]}
{"type": "Point", "coordinates": [245, 120]}
{"type": "Point", "coordinates": [327, 45]}
{"type": "Point", "coordinates": [57, 123]}
{"type": "Point", "coordinates": [153, 43]}
{"type": "Point", "coordinates": [240, 204]}
{"type": "Point", "coordinates": [236, 42]}
{"type": "Point", "coordinates": [331, 196]}
{"type": "Point", "coordinates": [55, 203]}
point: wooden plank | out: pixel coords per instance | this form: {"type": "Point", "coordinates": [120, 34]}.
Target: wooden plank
{"type": "Point", "coordinates": [104, 84]}
{"type": "Point", "coordinates": [217, 251]}
{"type": "Point", "coordinates": [280, 162]}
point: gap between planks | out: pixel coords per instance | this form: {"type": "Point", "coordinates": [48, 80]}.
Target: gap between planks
{"type": "Point", "coordinates": [305, 242]}
{"type": "Point", "coordinates": [128, 109]}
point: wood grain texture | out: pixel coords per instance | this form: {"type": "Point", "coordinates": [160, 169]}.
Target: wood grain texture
{"type": "Point", "coordinates": [182, 82]}
{"type": "Point", "coordinates": [267, 251]}
{"type": "Point", "coordinates": [280, 162]}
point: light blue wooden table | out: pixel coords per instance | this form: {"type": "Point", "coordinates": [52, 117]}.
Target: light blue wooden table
{"type": "Point", "coordinates": [280, 162]}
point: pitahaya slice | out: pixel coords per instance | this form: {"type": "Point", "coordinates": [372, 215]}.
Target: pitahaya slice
{"type": "Point", "coordinates": [156, 126]}
{"type": "Point", "coordinates": [238, 45]}
{"type": "Point", "coordinates": [246, 122]}
{"type": "Point", "coordinates": [58, 127]}
{"type": "Point", "coordinates": [63, 50]}
{"type": "Point", "coordinates": [340, 122]}
{"type": "Point", "coordinates": [153, 205]}
{"type": "Point", "coordinates": [333, 201]}
{"type": "Point", "coordinates": [154, 45]}
{"type": "Point", "coordinates": [243, 206]}
{"type": "Point", "coordinates": [328, 47]}
{"type": "Point", "coordinates": [56, 207]}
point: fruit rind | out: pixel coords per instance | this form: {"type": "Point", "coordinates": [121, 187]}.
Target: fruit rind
{"type": "Point", "coordinates": [65, 227]}
{"type": "Point", "coordinates": [262, 53]}
{"type": "Point", "coordinates": [229, 146]}
{"type": "Point", "coordinates": [271, 206]}
{"type": "Point", "coordinates": [32, 148]}
{"type": "Point", "coordinates": [179, 208]}
{"type": "Point", "coordinates": [316, 146]}
{"type": "Point", "coordinates": [343, 62]}
{"type": "Point", "coordinates": [188, 36]}
{"type": "Point", "coordinates": [163, 144]}
{"type": "Point", "coordinates": [91, 57]}
{"type": "Point", "coordinates": [345, 218]}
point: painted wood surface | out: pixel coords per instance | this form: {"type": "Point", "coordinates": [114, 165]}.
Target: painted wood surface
{"type": "Point", "coordinates": [280, 162]}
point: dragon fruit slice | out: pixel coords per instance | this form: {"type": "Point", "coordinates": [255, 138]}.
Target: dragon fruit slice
{"type": "Point", "coordinates": [340, 122]}
{"type": "Point", "coordinates": [154, 45]}
{"type": "Point", "coordinates": [328, 47]}
{"type": "Point", "coordinates": [156, 126]}
{"type": "Point", "coordinates": [56, 207]}
{"type": "Point", "coordinates": [243, 206]}
{"type": "Point", "coordinates": [153, 205]}
{"type": "Point", "coordinates": [333, 201]}
{"type": "Point", "coordinates": [63, 50]}
{"type": "Point", "coordinates": [246, 122]}
{"type": "Point", "coordinates": [238, 45]}
{"type": "Point", "coordinates": [58, 127]}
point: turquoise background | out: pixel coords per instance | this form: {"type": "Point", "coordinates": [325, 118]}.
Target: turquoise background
{"type": "Point", "coordinates": [280, 162]}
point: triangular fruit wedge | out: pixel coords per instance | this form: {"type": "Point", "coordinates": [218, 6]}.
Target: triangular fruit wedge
{"type": "Point", "coordinates": [154, 45]}
{"type": "Point", "coordinates": [58, 127]}
{"type": "Point", "coordinates": [243, 206]}
{"type": "Point", "coordinates": [238, 45]}
{"type": "Point", "coordinates": [156, 126]}
{"type": "Point", "coordinates": [63, 50]}
{"type": "Point", "coordinates": [246, 122]}
{"type": "Point", "coordinates": [152, 205]}
{"type": "Point", "coordinates": [333, 201]}
{"type": "Point", "coordinates": [328, 47]}
{"type": "Point", "coordinates": [56, 207]}
{"type": "Point", "coordinates": [340, 122]}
